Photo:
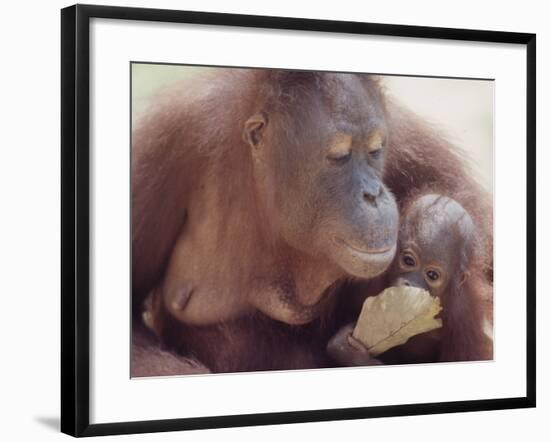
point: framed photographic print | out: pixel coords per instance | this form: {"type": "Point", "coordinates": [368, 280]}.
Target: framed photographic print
{"type": "Point", "coordinates": [275, 220]}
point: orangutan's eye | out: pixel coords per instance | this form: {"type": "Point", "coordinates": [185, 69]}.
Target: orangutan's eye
{"type": "Point", "coordinates": [408, 260]}
{"type": "Point", "coordinates": [376, 152]}
{"type": "Point", "coordinates": [339, 151]}
{"type": "Point", "coordinates": [340, 158]}
{"type": "Point", "coordinates": [432, 275]}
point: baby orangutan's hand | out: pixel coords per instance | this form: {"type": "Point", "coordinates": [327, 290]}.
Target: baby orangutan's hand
{"type": "Point", "coordinates": [150, 314]}
{"type": "Point", "coordinates": [348, 351]}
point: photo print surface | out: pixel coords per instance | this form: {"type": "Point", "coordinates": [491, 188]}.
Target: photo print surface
{"type": "Point", "coordinates": [287, 219]}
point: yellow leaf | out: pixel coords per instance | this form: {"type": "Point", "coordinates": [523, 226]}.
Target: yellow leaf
{"type": "Point", "coordinates": [395, 315]}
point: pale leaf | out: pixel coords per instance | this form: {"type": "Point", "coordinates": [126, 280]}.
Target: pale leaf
{"type": "Point", "coordinates": [395, 315]}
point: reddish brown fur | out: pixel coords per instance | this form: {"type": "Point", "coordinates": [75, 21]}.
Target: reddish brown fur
{"type": "Point", "coordinates": [162, 172]}
{"type": "Point", "coordinates": [149, 359]}
{"type": "Point", "coordinates": [469, 303]}
{"type": "Point", "coordinates": [163, 177]}
{"type": "Point", "coordinates": [252, 342]}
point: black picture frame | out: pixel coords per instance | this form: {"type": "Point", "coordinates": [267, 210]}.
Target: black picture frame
{"type": "Point", "coordinates": [75, 226]}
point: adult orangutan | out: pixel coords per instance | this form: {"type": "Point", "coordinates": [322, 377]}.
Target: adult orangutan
{"type": "Point", "coordinates": [257, 194]}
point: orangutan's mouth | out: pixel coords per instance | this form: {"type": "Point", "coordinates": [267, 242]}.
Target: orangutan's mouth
{"type": "Point", "coordinates": [374, 251]}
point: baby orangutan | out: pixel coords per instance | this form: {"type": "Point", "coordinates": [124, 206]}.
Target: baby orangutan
{"type": "Point", "coordinates": [439, 251]}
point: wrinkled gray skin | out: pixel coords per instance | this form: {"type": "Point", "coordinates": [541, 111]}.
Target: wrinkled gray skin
{"type": "Point", "coordinates": [322, 201]}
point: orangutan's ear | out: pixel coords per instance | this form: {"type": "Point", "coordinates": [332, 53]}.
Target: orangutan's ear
{"type": "Point", "coordinates": [254, 129]}
{"type": "Point", "coordinates": [464, 277]}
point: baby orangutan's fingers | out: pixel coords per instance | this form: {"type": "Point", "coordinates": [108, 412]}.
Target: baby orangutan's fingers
{"type": "Point", "coordinates": [348, 351]}
{"type": "Point", "coordinates": [356, 344]}
{"type": "Point", "coordinates": [149, 312]}
{"type": "Point", "coordinates": [181, 297]}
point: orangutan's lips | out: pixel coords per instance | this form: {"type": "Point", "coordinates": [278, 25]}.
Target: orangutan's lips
{"type": "Point", "coordinates": [367, 251]}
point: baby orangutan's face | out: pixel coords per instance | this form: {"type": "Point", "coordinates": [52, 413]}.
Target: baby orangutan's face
{"type": "Point", "coordinates": [434, 232]}
{"type": "Point", "coordinates": [411, 269]}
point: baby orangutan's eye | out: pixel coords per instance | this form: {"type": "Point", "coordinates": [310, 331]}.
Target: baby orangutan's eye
{"type": "Point", "coordinates": [432, 275]}
{"type": "Point", "coordinates": [408, 260]}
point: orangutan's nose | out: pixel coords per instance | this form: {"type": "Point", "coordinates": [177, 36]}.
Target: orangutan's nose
{"type": "Point", "coordinates": [400, 282]}
{"type": "Point", "coordinates": [371, 192]}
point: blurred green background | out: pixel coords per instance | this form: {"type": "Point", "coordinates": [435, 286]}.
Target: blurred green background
{"type": "Point", "coordinates": [462, 110]}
